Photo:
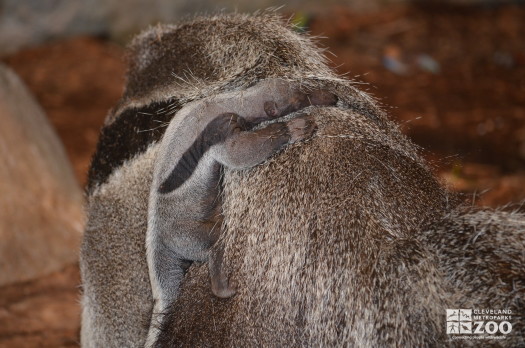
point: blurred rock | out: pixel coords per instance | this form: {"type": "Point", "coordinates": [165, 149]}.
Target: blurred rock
{"type": "Point", "coordinates": [76, 81]}
{"type": "Point", "coordinates": [41, 214]}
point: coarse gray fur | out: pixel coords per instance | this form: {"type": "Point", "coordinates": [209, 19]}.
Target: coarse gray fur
{"type": "Point", "coordinates": [344, 240]}
{"type": "Point", "coordinates": [184, 222]}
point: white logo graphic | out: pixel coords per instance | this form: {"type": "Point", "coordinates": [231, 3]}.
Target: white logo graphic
{"type": "Point", "coordinates": [465, 327]}
{"type": "Point", "coordinates": [453, 314]}
{"type": "Point", "coordinates": [452, 327]}
{"type": "Point", "coordinates": [489, 322]}
{"type": "Point", "coordinates": [465, 315]}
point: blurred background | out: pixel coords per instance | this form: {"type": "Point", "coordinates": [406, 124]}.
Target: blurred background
{"type": "Point", "coordinates": [451, 72]}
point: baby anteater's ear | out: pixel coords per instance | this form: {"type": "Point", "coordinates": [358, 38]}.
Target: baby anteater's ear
{"type": "Point", "coordinates": [271, 109]}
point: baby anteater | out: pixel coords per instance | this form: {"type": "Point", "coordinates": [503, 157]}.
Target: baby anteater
{"type": "Point", "coordinates": [184, 215]}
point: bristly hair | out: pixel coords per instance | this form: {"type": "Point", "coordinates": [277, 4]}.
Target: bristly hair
{"type": "Point", "coordinates": [346, 240]}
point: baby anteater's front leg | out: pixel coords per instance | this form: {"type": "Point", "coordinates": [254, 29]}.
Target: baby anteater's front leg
{"type": "Point", "coordinates": [247, 149]}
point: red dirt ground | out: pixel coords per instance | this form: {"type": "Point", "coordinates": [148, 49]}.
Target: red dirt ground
{"type": "Point", "coordinates": [469, 116]}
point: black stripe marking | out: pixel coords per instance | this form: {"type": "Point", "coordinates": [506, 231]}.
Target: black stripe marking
{"type": "Point", "coordinates": [217, 131]}
{"type": "Point", "coordinates": [130, 134]}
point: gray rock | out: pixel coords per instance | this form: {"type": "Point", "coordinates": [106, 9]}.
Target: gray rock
{"type": "Point", "coordinates": [41, 215]}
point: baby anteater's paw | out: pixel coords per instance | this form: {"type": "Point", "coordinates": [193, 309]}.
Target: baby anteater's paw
{"type": "Point", "coordinates": [301, 128]}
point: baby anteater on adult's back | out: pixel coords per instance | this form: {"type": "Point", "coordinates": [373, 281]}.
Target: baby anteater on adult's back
{"type": "Point", "coordinates": [346, 240]}
{"type": "Point", "coordinates": [184, 215]}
